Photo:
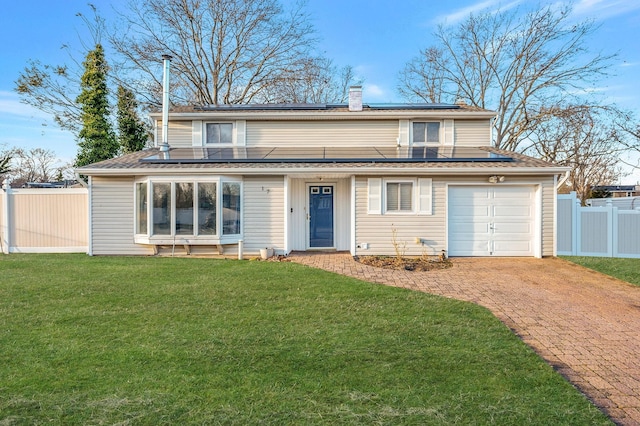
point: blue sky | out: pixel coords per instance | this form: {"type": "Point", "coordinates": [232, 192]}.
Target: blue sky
{"type": "Point", "coordinates": [376, 37]}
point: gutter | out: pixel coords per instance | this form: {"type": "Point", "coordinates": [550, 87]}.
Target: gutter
{"type": "Point", "coordinates": [395, 171]}
{"type": "Point", "coordinates": [79, 179]}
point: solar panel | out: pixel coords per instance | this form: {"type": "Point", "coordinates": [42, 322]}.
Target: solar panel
{"type": "Point", "coordinates": [413, 106]}
{"type": "Point", "coordinates": [304, 107]}
{"type": "Point", "coordinates": [325, 155]}
{"type": "Point", "coordinates": [260, 107]}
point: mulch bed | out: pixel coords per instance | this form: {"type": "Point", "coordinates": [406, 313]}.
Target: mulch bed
{"type": "Point", "coordinates": [405, 263]}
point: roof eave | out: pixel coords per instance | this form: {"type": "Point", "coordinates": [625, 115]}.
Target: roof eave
{"type": "Point", "coordinates": [305, 170]}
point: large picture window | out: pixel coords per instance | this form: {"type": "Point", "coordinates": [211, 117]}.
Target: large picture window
{"type": "Point", "coordinates": [231, 208]}
{"type": "Point", "coordinates": [161, 208]}
{"type": "Point", "coordinates": [195, 209]}
{"type": "Point", "coordinates": [207, 196]}
{"type": "Point", "coordinates": [219, 133]}
{"type": "Point", "coordinates": [184, 208]}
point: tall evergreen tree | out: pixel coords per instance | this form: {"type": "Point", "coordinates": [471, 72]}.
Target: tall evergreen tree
{"type": "Point", "coordinates": [96, 139]}
{"type": "Point", "coordinates": [132, 134]}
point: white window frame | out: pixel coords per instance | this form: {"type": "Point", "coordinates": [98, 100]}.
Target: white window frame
{"type": "Point", "coordinates": [223, 144]}
{"type": "Point", "coordinates": [172, 238]}
{"type": "Point", "coordinates": [440, 133]}
{"type": "Point", "coordinates": [421, 202]}
{"type": "Point", "coordinates": [385, 183]}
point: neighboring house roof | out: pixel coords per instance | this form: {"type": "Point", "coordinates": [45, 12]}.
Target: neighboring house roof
{"type": "Point", "coordinates": [612, 188]}
{"type": "Point", "coordinates": [134, 164]}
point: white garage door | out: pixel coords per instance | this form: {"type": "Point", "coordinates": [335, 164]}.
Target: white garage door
{"type": "Point", "coordinates": [491, 220]}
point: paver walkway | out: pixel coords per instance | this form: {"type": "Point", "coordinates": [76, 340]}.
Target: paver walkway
{"type": "Point", "coordinates": [585, 324]}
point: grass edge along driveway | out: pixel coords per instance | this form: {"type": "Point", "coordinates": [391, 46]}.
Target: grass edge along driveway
{"type": "Point", "coordinates": [625, 269]}
{"type": "Point", "coordinates": [90, 340]}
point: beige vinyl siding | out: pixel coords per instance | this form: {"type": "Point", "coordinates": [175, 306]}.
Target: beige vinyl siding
{"type": "Point", "coordinates": [49, 219]}
{"type": "Point", "coordinates": [472, 132]}
{"type": "Point", "coordinates": [322, 133]}
{"type": "Point", "coordinates": [263, 213]}
{"type": "Point", "coordinates": [112, 216]}
{"type": "Point", "coordinates": [548, 208]}
{"type": "Point", "coordinates": [179, 134]}
{"type": "Point", "coordinates": [378, 230]}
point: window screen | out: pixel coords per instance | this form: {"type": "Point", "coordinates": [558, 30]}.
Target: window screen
{"type": "Point", "coordinates": [428, 132]}
{"type": "Point", "coordinates": [219, 133]}
{"type": "Point", "coordinates": [399, 196]}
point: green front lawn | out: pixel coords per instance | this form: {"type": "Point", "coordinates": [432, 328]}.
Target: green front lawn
{"type": "Point", "coordinates": [106, 340]}
{"type": "Point", "coordinates": [624, 269]}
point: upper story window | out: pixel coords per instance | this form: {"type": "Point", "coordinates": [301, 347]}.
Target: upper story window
{"type": "Point", "coordinates": [219, 133]}
{"type": "Point", "coordinates": [426, 132]}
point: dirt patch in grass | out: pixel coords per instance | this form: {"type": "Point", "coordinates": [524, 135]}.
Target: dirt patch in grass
{"type": "Point", "coordinates": [405, 263]}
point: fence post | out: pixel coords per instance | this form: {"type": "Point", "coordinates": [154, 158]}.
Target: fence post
{"type": "Point", "coordinates": [614, 232]}
{"type": "Point", "coordinates": [5, 231]}
{"type": "Point", "coordinates": [575, 231]}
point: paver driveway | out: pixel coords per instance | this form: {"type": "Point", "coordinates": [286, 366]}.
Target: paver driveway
{"type": "Point", "coordinates": [585, 324]}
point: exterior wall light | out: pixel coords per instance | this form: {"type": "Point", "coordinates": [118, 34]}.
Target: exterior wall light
{"type": "Point", "coordinates": [496, 179]}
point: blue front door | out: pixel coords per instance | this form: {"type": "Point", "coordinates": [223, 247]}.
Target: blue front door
{"type": "Point", "coordinates": [321, 216]}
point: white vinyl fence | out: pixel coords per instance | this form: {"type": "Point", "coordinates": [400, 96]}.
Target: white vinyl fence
{"type": "Point", "coordinates": [44, 220]}
{"type": "Point", "coordinates": [605, 231]}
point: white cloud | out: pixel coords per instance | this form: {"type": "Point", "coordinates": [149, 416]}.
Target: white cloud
{"type": "Point", "coordinates": [461, 14]}
{"type": "Point", "coordinates": [10, 104]}
{"type": "Point", "coordinates": [373, 91]}
{"type": "Point", "coordinates": [23, 126]}
{"type": "Point", "coordinates": [602, 9]}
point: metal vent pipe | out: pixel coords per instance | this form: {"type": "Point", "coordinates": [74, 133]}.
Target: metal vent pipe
{"type": "Point", "coordinates": [166, 63]}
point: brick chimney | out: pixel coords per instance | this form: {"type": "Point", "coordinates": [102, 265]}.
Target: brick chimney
{"type": "Point", "coordinates": [355, 98]}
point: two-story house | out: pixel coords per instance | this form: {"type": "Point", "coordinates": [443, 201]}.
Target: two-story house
{"type": "Point", "coordinates": [369, 179]}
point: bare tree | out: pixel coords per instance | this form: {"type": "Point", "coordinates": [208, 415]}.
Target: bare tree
{"type": "Point", "coordinates": [628, 132]}
{"type": "Point", "coordinates": [224, 51]}
{"type": "Point", "coordinates": [584, 138]}
{"type": "Point", "coordinates": [516, 64]}
{"type": "Point", "coordinates": [35, 165]}
{"type": "Point", "coordinates": [313, 80]}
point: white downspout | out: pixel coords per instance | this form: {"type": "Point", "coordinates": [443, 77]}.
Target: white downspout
{"type": "Point", "coordinates": [563, 179]}
{"type": "Point", "coordinates": [90, 213]}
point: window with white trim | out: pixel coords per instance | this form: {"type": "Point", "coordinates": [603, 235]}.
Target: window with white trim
{"type": "Point", "coordinates": [425, 132]}
{"type": "Point", "coordinates": [399, 196]}
{"type": "Point", "coordinates": [141, 208]}
{"type": "Point", "coordinates": [218, 133]}
{"type": "Point", "coordinates": [198, 209]}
